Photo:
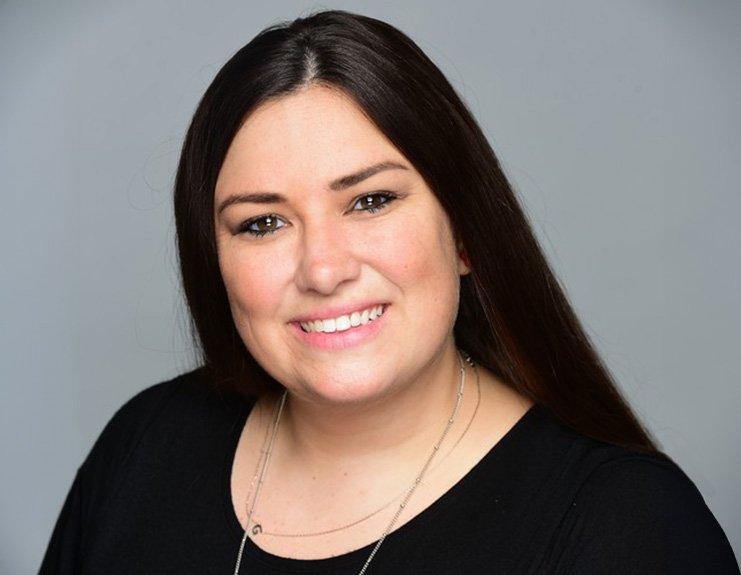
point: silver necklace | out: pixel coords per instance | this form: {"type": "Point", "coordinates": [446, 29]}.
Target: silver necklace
{"type": "Point", "coordinates": [409, 492]}
{"type": "Point", "coordinates": [257, 526]}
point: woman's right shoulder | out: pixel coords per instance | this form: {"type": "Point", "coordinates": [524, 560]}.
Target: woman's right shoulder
{"type": "Point", "coordinates": [175, 403]}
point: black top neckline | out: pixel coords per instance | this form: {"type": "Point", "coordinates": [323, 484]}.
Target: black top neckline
{"type": "Point", "coordinates": [153, 496]}
{"type": "Point", "coordinates": [236, 532]}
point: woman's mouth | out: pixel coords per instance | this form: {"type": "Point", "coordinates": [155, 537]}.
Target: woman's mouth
{"type": "Point", "coordinates": [344, 331]}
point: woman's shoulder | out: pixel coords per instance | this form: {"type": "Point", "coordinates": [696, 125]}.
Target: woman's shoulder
{"type": "Point", "coordinates": [147, 404]}
{"type": "Point", "coordinates": [594, 467]}
{"type": "Point", "coordinates": [629, 474]}
{"type": "Point", "coordinates": [184, 404]}
{"type": "Point", "coordinates": [638, 512]}
{"type": "Point", "coordinates": [191, 390]}
{"type": "Point", "coordinates": [612, 475]}
{"type": "Point", "coordinates": [643, 490]}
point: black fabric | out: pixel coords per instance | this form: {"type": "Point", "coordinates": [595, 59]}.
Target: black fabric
{"type": "Point", "coordinates": [153, 497]}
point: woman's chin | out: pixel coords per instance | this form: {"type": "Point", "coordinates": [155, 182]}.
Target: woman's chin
{"type": "Point", "coordinates": [346, 392]}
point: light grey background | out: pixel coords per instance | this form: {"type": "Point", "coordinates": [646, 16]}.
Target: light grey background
{"type": "Point", "coordinates": [618, 123]}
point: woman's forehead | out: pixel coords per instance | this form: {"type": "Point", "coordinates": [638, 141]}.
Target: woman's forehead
{"type": "Point", "coordinates": [315, 133]}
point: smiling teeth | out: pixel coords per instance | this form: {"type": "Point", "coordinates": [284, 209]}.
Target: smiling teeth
{"type": "Point", "coordinates": [344, 322]}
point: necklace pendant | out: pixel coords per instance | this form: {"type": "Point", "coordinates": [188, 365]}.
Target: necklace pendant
{"type": "Point", "coordinates": [257, 529]}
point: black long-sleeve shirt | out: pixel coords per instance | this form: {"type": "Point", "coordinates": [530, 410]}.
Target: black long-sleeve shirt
{"type": "Point", "coordinates": [153, 497]}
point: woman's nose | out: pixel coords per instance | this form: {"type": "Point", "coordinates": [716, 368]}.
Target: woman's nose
{"type": "Point", "coordinates": [325, 258]}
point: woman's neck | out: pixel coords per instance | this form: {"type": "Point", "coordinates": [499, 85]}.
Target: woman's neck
{"type": "Point", "coordinates": [394, 428]}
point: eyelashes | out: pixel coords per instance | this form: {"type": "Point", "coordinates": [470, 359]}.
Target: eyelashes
{"type": "Point", "coordinates": [270, 219]}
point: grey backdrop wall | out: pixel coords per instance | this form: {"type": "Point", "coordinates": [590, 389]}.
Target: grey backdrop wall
{"type": "Point", "coordinates": [618, 123]}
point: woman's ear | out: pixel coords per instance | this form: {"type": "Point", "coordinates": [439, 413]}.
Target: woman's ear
{"type": "Point", "coordinates": [464, 263]}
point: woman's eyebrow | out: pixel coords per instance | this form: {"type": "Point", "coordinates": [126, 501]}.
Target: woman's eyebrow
{"type": "Point", "coordinates": [365, 173]}
{"type": "Point", "coordinates": [339, 184]}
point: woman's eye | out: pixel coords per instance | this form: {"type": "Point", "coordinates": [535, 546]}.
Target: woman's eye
{"type": "Point", "coordinates": [265, 225]}
{"type": "Point", "coordinates": [373, 206]}
{"type": "Point", "coordinates": [269, 228]}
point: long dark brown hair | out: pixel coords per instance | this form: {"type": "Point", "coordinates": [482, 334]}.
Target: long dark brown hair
{"type": "Point", "coordinates": [513, 318]}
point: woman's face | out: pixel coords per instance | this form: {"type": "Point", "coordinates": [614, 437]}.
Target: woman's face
{"type": "Point", "coordinates": [322, 248]}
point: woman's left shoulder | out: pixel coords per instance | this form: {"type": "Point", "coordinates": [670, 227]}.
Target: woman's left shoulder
{"type": "Point", "coordinates": [651, 478]}
{"type": "Point", "coordinates": [640, 513]}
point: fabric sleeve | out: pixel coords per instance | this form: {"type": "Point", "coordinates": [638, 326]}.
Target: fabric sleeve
{"type": "Point", "coordinates": [99, 475]}
{"type": "Point", "coordinates": [641, 515]}
{"type": "Point", "coordinates": [63, 552]}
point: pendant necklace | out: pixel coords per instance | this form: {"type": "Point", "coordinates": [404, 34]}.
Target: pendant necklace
{"type": "Point", "coordinates": [258, 528]}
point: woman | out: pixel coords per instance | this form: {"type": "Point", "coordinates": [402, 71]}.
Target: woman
{"type": "Point", "coordinates": [393, 380]}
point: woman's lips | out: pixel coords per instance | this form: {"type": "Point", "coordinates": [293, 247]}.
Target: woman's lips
{"type": "Point", "coordinates": [338, 310]}
{"type": "Point", "coordinates": [342, 339]}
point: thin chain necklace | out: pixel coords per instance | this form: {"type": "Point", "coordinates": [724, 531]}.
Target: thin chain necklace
{"type": "Point", "coordinates": [257, 526]}
{"type": "Point", "coordinates": [409, 492]}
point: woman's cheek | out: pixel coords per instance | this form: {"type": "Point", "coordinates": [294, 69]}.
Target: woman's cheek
{"type": "Point", "coordinates": [251, 280]}
{"type": "Point", "coordinates": [396, 245]}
